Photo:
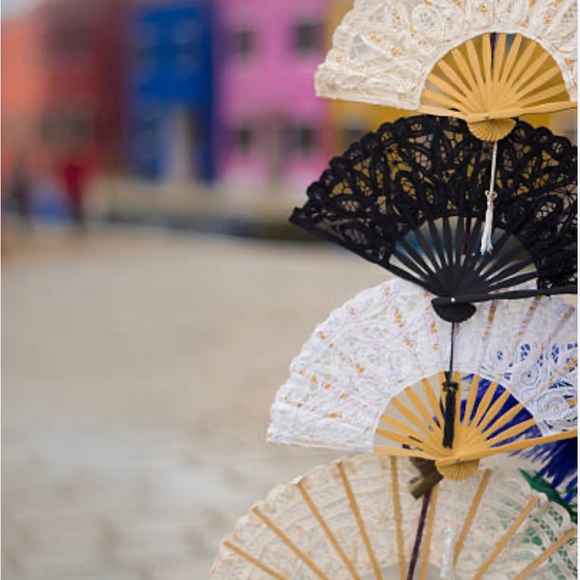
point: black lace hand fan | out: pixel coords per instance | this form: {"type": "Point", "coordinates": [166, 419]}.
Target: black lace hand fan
{"type": "Point", "coordinates": [465, 219]}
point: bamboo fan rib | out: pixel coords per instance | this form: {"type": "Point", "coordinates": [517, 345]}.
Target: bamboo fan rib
{"type": "Point", "coordinates": [482, 428]}
{"type": "Point", "coordinates": [370, 379]}
{"type": "Point", "coordinates": [488, 81]}
{"type": "Point", "coordinates": [340, 521]}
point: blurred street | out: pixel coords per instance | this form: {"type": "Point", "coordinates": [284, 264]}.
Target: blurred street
{"type": "Point", "coordinates": [138, 371]}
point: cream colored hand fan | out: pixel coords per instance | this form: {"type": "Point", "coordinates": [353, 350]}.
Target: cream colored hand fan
{"type": "Point", "coordinates": [482, 61]}
{"type": "Point", "coordinates": [374, 377]}
{"type": "Point", "coordinates": [356, 519]}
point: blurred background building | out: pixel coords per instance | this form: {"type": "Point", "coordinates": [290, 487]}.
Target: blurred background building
{"type": "Point", "coordinates": [173, 110]}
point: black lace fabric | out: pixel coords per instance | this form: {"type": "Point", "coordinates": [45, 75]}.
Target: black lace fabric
{"type": "Point", "coordinates": [411, 198]}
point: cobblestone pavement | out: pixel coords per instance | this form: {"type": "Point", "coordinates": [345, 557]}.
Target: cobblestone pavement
{"type": "Point", "coordinates": [138, 371]}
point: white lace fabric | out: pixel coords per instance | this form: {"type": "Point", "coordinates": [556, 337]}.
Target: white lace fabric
{"type": "Point", "coordinates": [371, 482]}
{"type": "Point", "coordinates": [383, 50]}
{"type": "Point", "coordinates": [389, 338]}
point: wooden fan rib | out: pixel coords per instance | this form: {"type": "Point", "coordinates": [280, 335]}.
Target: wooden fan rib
{"type": "Point", "coordinates": [522, 62]}
{"type": "Point", "coordinates": [327, 530]}
{"type": "Point", "coordinates": [493, 411]}
{"type": "Point", "coordinates": [505, 417]}
{"type": "Point", "coordinates": [440, 112]}
{"type": "Point", "coordinates": [458, 86]}
{"type": "Point", "coordinates": [449, 102]}
{"type": "Point", "coordinates": [423, 422]}
{"type": "Point", "coordinates": [423, 410]}
{"type": "Point", "coordinates": [412, 265]}
{"type": "Point", "coordinates": [429, 532]}
{"type": "Point", "coordinates": [512, 281]}
{"type": "Point", "coordinates": [254, 561]}
{"type": "Point", "coordinates": [437, 243]}
{"type": "Point", "coordinates": [506, 538]}
{"type": "Point", "coordinates": [499, 58]}
{"type": "Point", "coordinates": [510, 59]}
{"type": "Point", "coordinates": [463, 66]}
{"type": "Point", "coordinates": [402, 452]}
{"type": "Point", "coordinates": [359, 520]}
{"type": "Point", "coordinates": [429, 270]}
{"type": "Point", "coordinates": [487, 66]}
{"type": "Point", "coordinates": [469, 405]}
{"type": "Point", "coordinates": [426, 247]}
{"type": "Point", "coordinates": [467, 523]}
{"type": "Point", "coordinates": [517, 111]}
{"type": "Point", "coordinates": [463, 98]}
{"type": "Point", "coordinates": [558, 376]}
{"type": "Point", "coordinates": [484, 403]}
{"type": "Point", "coordinates": [544, 95]}
{"type": "Point", "coordinates": [528, 80]}
{"type": "Point", "coordinates": [547, 554]}
{"type": "Point", "coordinates": [475, 65]}
{"type": "Point", "coordinates": [483, 452]}
{"type": "Point", "coordinates": [398, 518]}
{"type": "Point", "coordinates": [290, 544]}
{"type": "Point", "coordinates": [511, 432]}
{"type": "Point", "coordinates": [432, 399]}
{"type": "Point", "coordinates": [413, 437]}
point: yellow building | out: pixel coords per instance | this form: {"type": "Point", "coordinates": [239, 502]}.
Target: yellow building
{"type": "Point", "coordinates": [350, 120]}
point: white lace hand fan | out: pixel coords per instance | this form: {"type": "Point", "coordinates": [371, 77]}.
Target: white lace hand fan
{"type": "Point", "coordinates": [356, 519]}
{"type": "Point", "coordinates": [482, 61]}
{"type": "Point", "coordinates": [381, 374]}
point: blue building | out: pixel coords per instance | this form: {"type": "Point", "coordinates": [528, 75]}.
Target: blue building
{"type": "Point", "coordinates": [170, 91]}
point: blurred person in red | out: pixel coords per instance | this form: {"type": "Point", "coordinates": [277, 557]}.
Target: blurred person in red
{"type": "Point", "coordinates": [75, 172]}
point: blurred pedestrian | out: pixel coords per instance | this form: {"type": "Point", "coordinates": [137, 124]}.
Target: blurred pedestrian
{"type": "Point", "coordinates": [75, 173]}
{"type": "Point", "coordinates": [20, 191]}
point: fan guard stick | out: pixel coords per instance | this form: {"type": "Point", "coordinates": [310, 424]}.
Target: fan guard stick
{"type": "Point", "coordinates": [450, 388]}
{"type": "Point", "coordinates": [419, 535]}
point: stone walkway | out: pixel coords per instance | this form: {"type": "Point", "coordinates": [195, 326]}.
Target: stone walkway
{"type": "Point", "coordinates": [138, 371]}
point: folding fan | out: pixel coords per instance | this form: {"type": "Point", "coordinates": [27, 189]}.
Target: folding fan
{"type": "Point", "coordinates": [482, 61]}
{"type": "Point", "coordinates": [356, 519]}
{"type": "Point", "coordinates": [414, 198]}
{"type": "Point", "coordinates": [384, 373]}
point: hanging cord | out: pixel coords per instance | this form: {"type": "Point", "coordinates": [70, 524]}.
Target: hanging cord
{"type": "Point", "coordinates": [486, 242]}
{"type": "Point", "coordinates": [450, 388]}
{"type": "Point", "coordinates": [419, 536]}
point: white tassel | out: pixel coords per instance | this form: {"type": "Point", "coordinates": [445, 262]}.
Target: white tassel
{"type": "Point", "coordinates": [486, 242]}
{"type": "Point", "coordinates": [447, 572]}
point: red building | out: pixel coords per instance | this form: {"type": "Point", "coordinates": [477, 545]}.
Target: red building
{"type": "Point", "coordinates": [82, 47]}
{"type": "Point", "coordinates": [62, 75]}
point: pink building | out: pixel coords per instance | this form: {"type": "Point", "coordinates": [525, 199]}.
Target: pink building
{"type": "Point", "coordinates": [272, 127]}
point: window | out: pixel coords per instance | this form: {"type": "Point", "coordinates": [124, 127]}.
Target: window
{"type": "Point", "coordinates": [300, 138]}
{"type": "Point", "coordinates": [144, 158]}
{"type": "Point", "coordinates": [243, 42]}
{"type": "Point", "coordinates": [186, 40]}
{"type": "Point", "coordinates": [143, 46]}
{"type": "Point", "coordinates": [68, 128]}
{"type": "Point", "coordinates": [350, 133]}
{"type": "Point", "coordinates": [307, 37]}
{"type": "Point", "coordinates": [242, 139]}
{"type": "Point", "coordinates": [67, 35]}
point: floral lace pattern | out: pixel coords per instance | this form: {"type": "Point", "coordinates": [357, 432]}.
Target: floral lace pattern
{"type": "Point", "coordinates": [389, 338]}
{"type": "Point", "coordinates": [383, 50]}
{"type": "Point", "coordinates": [411, 197]}
{"type": "Point", "coordinates": [370, 479]}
